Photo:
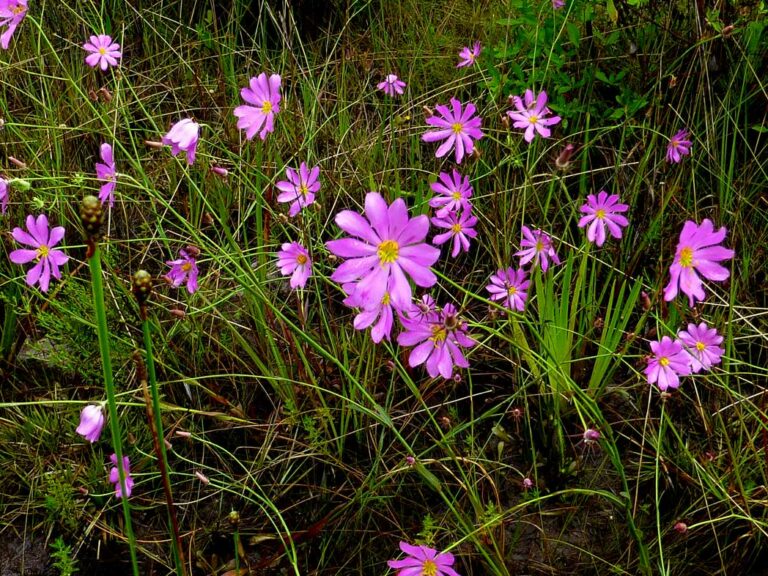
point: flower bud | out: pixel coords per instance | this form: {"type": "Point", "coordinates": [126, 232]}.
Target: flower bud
{"type": "Point", "coordinates": [220, 171]}
{"type": "Point", "coordinates": [563, 159]}
{"type": "Point", "coordinates": [142, 286]}
{"type": "Point", "coordinates": [428, 112]}
{"type": "Point", "coordinates": [91, 215]}
{"type": "Point", "coordinates": [91, 422]}
{"type": "Point", "coordinates": [527, 483]}
{"type": "Point", "coordinates": [681, 527]}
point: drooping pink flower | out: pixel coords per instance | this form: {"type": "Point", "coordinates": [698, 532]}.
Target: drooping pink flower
{"type": "Point", "coordinates": [678, 146]}
{"type": "Point", "coordinates": [458, 126]}
{"type": "Point", "coordinates": [300, 188]}
{"type": "Point", "coordinates": [42, 242]}
{"type": "Point", "coordinates": [184, 268]}
{"type": "Point", "coordinates": [12, 12]}
{"type": "Point", "coordinates": [423, 561]}
{"type": "Point", "coordinates": [602, 211]}
{"type": "Point", "coordinates": [392, 85]}
{"type": "Point", "coordinates": [510, 286]}
{"type": "Point", "coordinates": [536, 246]}
{"type": "Point", "coordinates": [469, 55]}
{"type": "Point", "coordinates": [669, 362]}
{"type": "Point", "coordinates": [114, 476]}
{"type": "Point", "coordinates": [103, 52]}
{"type": "Point", "coordinates": [381, 311]}
{"type": "Point", "coordinates": [294, 259]}
{"type": "Point", "coordinates": [454, 193]}
{"type": "Point", "coordinates": [387, 244]}
{"type": "Point", "coordinates": [264, 94]}
{"type": "Point", "coordinates": [107, 173]}
{"type": "Point", "coordinates": [697, 251]}
{"type": "Point", "coordinates": [702, 344]}
{"type": "Point", "coordinates": [5, 190]}
{"type": "Point", "coordinates": [461, 227]}
{"type": "Point", "coordinates": [532, 117]}
{"type": "Point", "coordinates": [183, 136]}
{"type": "Point", "coordinates": [91, 422]}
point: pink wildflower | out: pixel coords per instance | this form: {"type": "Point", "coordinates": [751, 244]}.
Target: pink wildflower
{"type": "Point", "coordinates": [536, 246]}
{"type": "Point", "coordinates": [91, 422]}
{"type": "Point", "coordinates": [602, 211]}
{"type": "Point", "coordinates": [114, 476]}
{"type": "Point", "coordinates": [392, 85]}
{"type": "Point", "coordinates": [469, 55]}
{"type": "Point", "coordinates": [294, 259]}
{"type": "Point", "coordinates": [106, 172]}
{"type": "Point", "coordinates": [423, 561]}
{"type": "Point", "coordinates": [5, 190]}
{"type": "Point", "coordinates": [42, 241]}
{"type": "Point", "coordinates": [300, 188]}
{"type": "Point", "coordinates": [702, 344]}
{"type": "Point", "coordinates": [669, 362]}
{"type": "Point", "coordinates": [103, 52]}
{"type": "Point", "coordinates": [12, 12]}
{"type": "Point", "coordinates": [184, 268]}
{"type": "Point", "coordinates": [678, 146]}
{"type": "Point", "coordinates": [457, 126]}
{"type": "Point", "coordinates": [265, 96]}
{"type": "Point", "coordinates": [183, 136]}
{"type": "Point", "coordinates": [455, 192]}
{"type": "Point", "coordinates": [381, 311]}
{"type": "Point", "coordinates": [531, 116]}
{"type": "Point", "coordinates": [461, 227]}
{"type": "Point", "coordinates": [557, 4]}
{"type": "Point", "coordinates": [511, 287]}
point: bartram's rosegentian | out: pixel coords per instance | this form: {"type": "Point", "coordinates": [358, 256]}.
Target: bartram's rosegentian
{"type": "Point", "coordinates": [42, 242]}
{"type": "Point", "coordinates": [264, 94]}
{"type": "Point", "coordinates": [423, 561]}
{"type": "Point", "coordinates": [469, 55]}
{"type": "Point", "coordinates": [536, 246]}
{"type": "Point", "coordinates": [602, 211]}
{"type": "Point", "coordinates": [702, 344]}
{"type": "Point", "coordinates": [533, 116]}
{"type": "Point", "coordinates": [107, 173]}
{"type": "Point", "coordinates": [12, 12]}
{"type": "Point", "coordinates": [114, 476]}
{"type": "Point", "coordinates": [669, 362]}
{"type": "Point", "coordinates": [300, 188]}
{"type": "Point", "coordinates": [5, 193]}
{"type": "Point", "coordinates": [387, 244]}
{"type": "Point", "coordinates": [103, 52]}
{"type": "Point", "coordinates": [461, 227]}
{"type": "Point", "coordinates": [511, 287]}
{"type": "Point", "coordinates": [697, 251]}
{"type": "Point", "coordinates": [454, 193]}
{"type": "Point", "coordinates": [678, 146]}
{"type": "Point", "coordinates": [183, 136]}
{"type": "Point", "coordinates": [91, 422]}
{"type": "Point", "coordinates": [456, 125]}
{"type": "Point", "coordinates": [184, 268]}
{"type": "Point", "coordinates": [294, 259]}
{"type": "Point", "coordinates": [392, 85]}
{"type": "Point", "coordinates": [367, 316]}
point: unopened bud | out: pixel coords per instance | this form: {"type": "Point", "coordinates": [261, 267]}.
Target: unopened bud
{"type": "Point", "coordinates": [428, 112]}
{"type": "Point", "coordinates": [410, 460]}
{"type": "Point", "coordinates": [17, 162]}
{"type": "Point", "coordinates": [142, 286]}
{"type": "Point", "coordinates": [681, 527]}
{"type": "Point", "coordinates": [176, 313]}
{"type": "Point", "coordinates": [563, 159]}
{"type": "Point", "coordinates": [591, 435]}
{"type": "Point", "coordinates": [91, 216]}
{"type": "Point", "coordinates": [220, 171]}
{"type": "Point", "coordinates": [192, 250]}
{"type": "Point", "coordinates": [505, 122]}
{"type": "Point", "coordinates": [527, 483]}
{"type": "Point", "coordinates": [153, 144]}
{"type": "Point", "coordinates": [728, 30]}
{"type": "Point", "coordinates": [645, 300]}
{"type": "Point", "coordinates": [104, 91]}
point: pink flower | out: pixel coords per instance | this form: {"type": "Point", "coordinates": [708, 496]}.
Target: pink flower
{"type": "Point", "coordinates": [511, 287]}
{"type": "Point", "coordinates": [294, 259]}
{"type": "Point", "coordinates": [557, 4]}
{"type": "Point", "coordinates": [183, 136]}
{"type": "Point", "coordinates": [265, 96]}
{"type": "Point", "coordinates": [388, 244]}
{"type": "Point", "coordinates": [392, 85]}
{"type": "Point", "coordinates": [455, 192]}
{"type": "Point", "coordinates": [12, 12]}
{"type": "Point", "coordinates": [697, 251]}
{"type": "Point", "coordinates": [381, 311]}
{"type": "Point", "coordinates": [106, 172]}
{"type": "Point", "coordinates": [601, 212]}
{"type": "Point", "coordinates": [42, 241]}
{"type": "Point", "coordinates": [185, 268]}
{"type": "Point", "coordinates": [531, 115]}
{"type": "Point", "coordinates": [536, 246]}
{"type": "Point", "coordinates": [91, 422]}
{"type": "Point", "coordinates": [468, 56]}
{"type": "Point", "coordinates": [423, 561]}
{"type": "Point", "coordinates": [5, 190]}
{"type": "Point", "coordinates": [669, 362]}
{"type": "Point", "coordinates": [114, 476]}
{"type": "Point", "coordinates": [300, 188]}
{"type": "Point", "coordinates": [458, 127]}
{"type": "Point", "coordinates": [461, 227]}
{"type": "Point", "coordinates": [678, 146]}
{"type": "Point", "coordinates": [103, 52]}
{"type": "Point", "coordinates": [702, 344]}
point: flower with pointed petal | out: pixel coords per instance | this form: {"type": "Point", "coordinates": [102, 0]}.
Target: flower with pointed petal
{"type": "Point", "coordinates": [678, 146]}
{"type": "Point", "coordinates": [107, 173]}
{"type": "Point", "coordinates": [536, 246]}
{"type": "Point", "coordinates": [300, 188]}
{"type": "Point", "coordinates": [602, 211]}
{"type": "Point", "coordinates": [454, 193]}
{"type": "Point", "coordinates": [114, 476]}
{"type": "Point", "coordinates": [669, 362]}
{"type": "Point", "coordinates": [702, 344]}
{"type": "Point", "coordinates": [294, 259]}
{"type": "Point", "coordinates": [102, 52]}
{"type": "Point", "coordinates": [423, 561]}
{"type": "Point", "coordinates": [533, 116]}
{"type": "Point", "coordinates": [381, 311]}
{"type": "Point", "coordinates": [511, 287]}
{"type": "Point", "coordinates": [457, 126]}
{"type": "Point", "coordinates": [461, 227]}
{"type": "Point", "coordinates": [264, 94]}
{"type": "Point", "coordinates": [12, 12]}
{"type": "Point", "coordinates": [392, 85]}
{"type": "Point", "coordinates": [469, 55]}
{"type": "Point", "coordinates": [42, 242]}
{"type": "Point", "coordinates": [184, 268]}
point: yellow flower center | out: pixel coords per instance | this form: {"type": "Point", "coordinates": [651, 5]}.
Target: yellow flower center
{"type": "Point", "coordinates": [700, 346]}
{"type": "Point", "coordinates": [533, 118]}
{"type": "Point", "coordinates": [429, 568]}
{"type": "Point", "coordinates": [457, 128]}
{"type": "Point", "coordinates": [42, 252]}
{"type": "Point", "coordinates": [600, 214]}
{"type": "Point", "coordinates": [301, 259]}
{"type": "Point", "coordinates": [385, 299]}
{"type": "Point", "coordinates": [512, 290]}
{"type": "Point", "coordinates": [456, 228]}
{"type": "Point", "coordinates": [303, 190]}
{"type": "Point", "coordinates": [186, 266]}
{"type": "Point", "coordinates": [674, 143]}
{"type": "Point", "coordinates": [539, 246]}
{"type": "Point", "coordinates": [664, 361]}
{"type": "Point", "coordinates": [456, 195]}
{"type": "Point", "coordinates": [102, 51]}
{"type": "Point", "coordinates": [686, 257]}
{"type": "Point", "coordinates": [438, 334]}
{"type": "Point", "coordinates": [388, 251]}
{"type": "Point", "coordinates": [266, 108]}
{"type": "Point", "coordinates": [18, 9]}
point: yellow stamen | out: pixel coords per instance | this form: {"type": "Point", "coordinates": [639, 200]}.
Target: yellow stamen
{"type": "Point", "coordinates": [186, 266]}
{"type": "Point", "coordinates": [456, 228]}
{"type": "Point", "coordinates": [266, 107]}
{"type": "Point", "coordinates": [457, 128]}
{"type": "Point", "coordinates": [686, 257]}
{"type": "Point", "coordinates": [438, 334]}
{"type": "Point", "coordinates": [303, 190]}
{"type": "Point", "coordinates": [512, 290]}
{"type": "Point", "coordinates": [102, 51]}
{"type": "Point", "coordinates": [42, 252]}
{"type": "Point", "coordinates": [385, 299]}
{"type": "Point", "coordinates": [539, 246]}
{"type": "Point", "coordinates": [700, 346]}
{"type": "Point", "coordinates": [664, 361]}
{"type": "Point", "coordinates": [600, 214]}
{"type": "Point", "coordinates": [456, 195]}
{"type": "Point", "coordinates": [429, 568]}
{"type": "Point", "coordinates": [301, 259]}
{"type": "Point", "coordinates": [533, 118]}
{"type": "Point", "coordinates": [388, 251]}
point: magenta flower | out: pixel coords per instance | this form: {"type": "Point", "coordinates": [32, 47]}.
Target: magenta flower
{"type": "Point", "coordinates": [469, 55]}
{"type": "Point", "coordinates": [42, 241]}
{"type": "Point", "coordinates": [106, 172]}
{"type": "Point", "coordinates": [461, 227]}
{"type": "Point", "coordinates": [697, 251]}
{"type": "Point", "coordinates": [91, 422]}
{"type": "Point", "coordinates": [702, 344]}
{"type": "Point", "coordinates": [300, 188]}
{"type": "Point", "coordinates": [423, 561]}
{"type": "Point", "coordinates": [103, 52]}
{"type": "Point", "coordinates": [184, 268]}
{"type": "Point", "coordinates": [455, 192]}
{"type": "Point", "coordinates": [678, 146]}
{"type": "Point", "coordinates": [183, 136]}
{"type": "Point", "coordinates": [388, 244]}
{"type": "Point", "coordinates": [533, 116]}
{"type": "Point", "coordinates": [557, 4]}
{"type": "Point", "coordinates": [458, 127]}
{"type": "Point", "coordinates": [294, 259]}
{"type": "Point", "coordinates": [381, 311]}
{"type": "Point", "coordinates": [5, 194]}
{"type": "Point", "coordinates": [669, 362]}
{"type": "Point", "coordinates": [114, 476]}
{"type": "Point", "coordinates": [12, 12]}
{"type": "Point", "coordinates": [602, 211]}
{"type": "Point", "coordinates": [265, 96]}
{"type": "Point", "coordinates": [438, 339]}
{"type": "Point", "coordinates": [511, 287]}
{"type": "Point", "coordinates": [536, 246]}
{"type": "Point", "coordinates": [392, 85]}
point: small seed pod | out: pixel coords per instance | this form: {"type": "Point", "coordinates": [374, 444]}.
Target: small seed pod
{"type": "Point", "coordinates": [91, 216]}
{"type": "Point", "coordinates": [142, 286]}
